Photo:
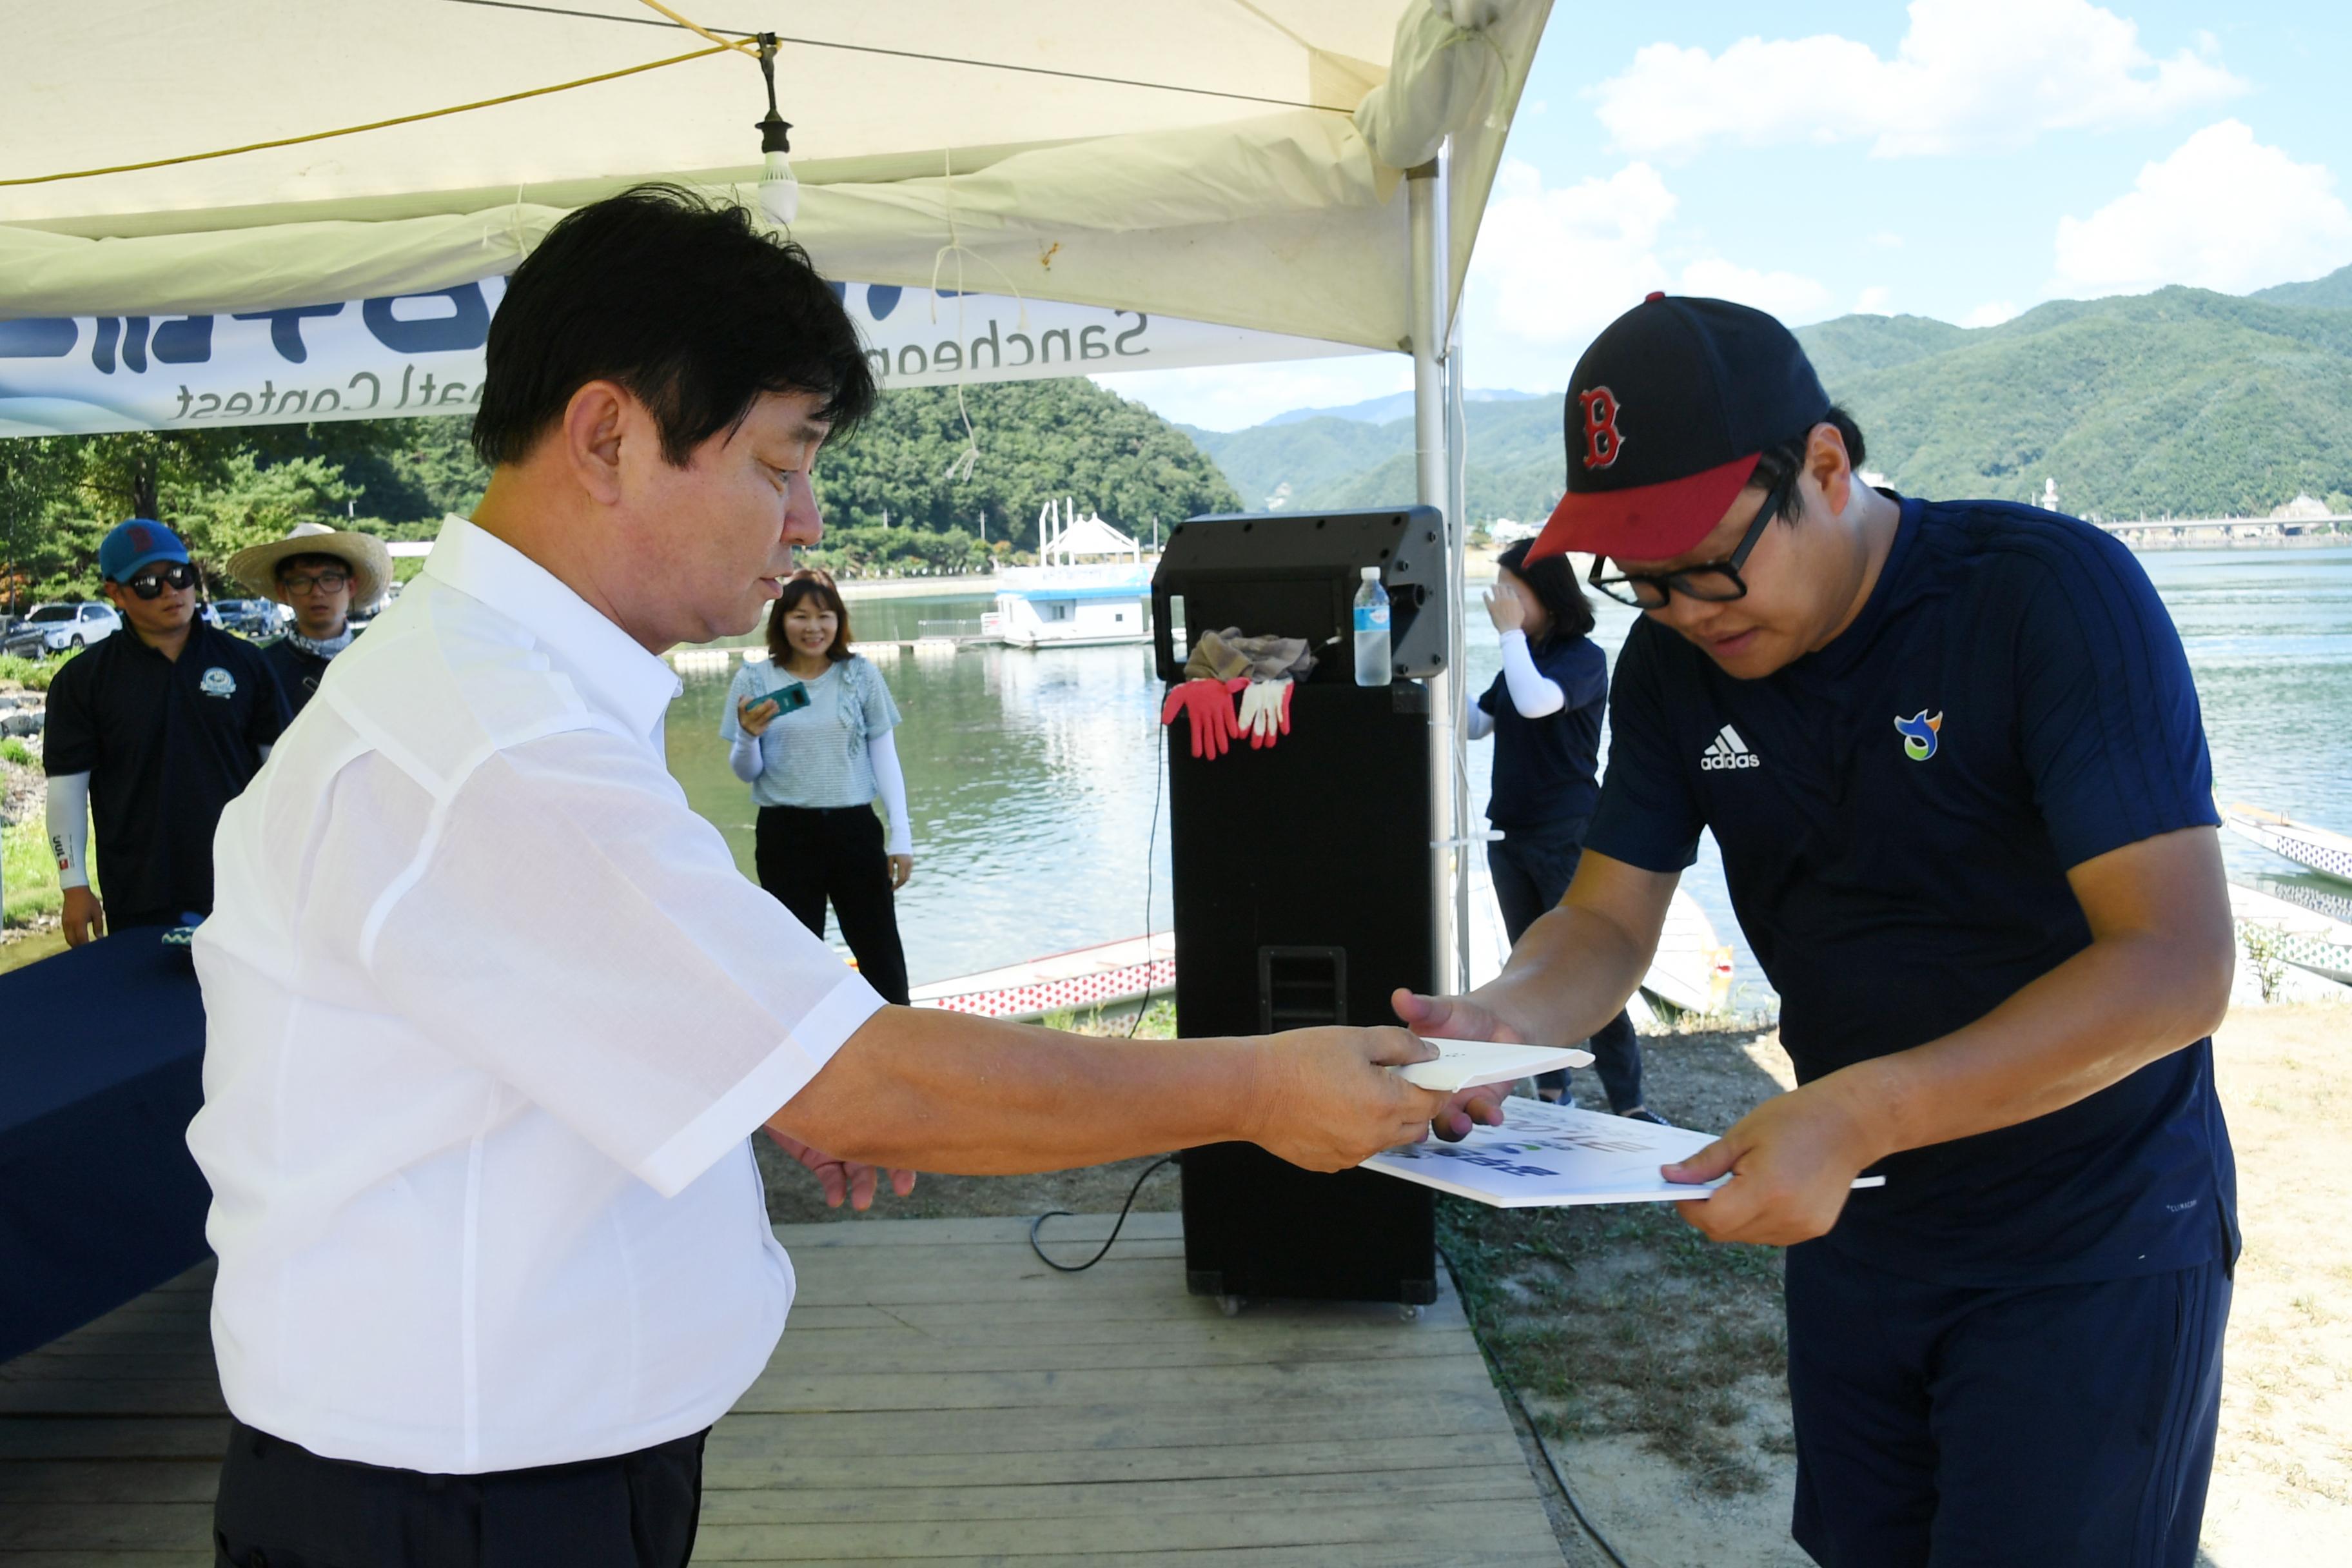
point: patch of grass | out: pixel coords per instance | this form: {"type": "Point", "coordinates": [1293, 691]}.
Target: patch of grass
{"type": "Point", "coordinates": [27, 873]}
{"type": "Point", "coordinates": [14, 751]}
{"type": "Point", "coordinates": [1622, 1318]}
{"type": "Point", "coordinates": [1159, 1022]}
{"type": "Point", "coordinates": [35, 674]}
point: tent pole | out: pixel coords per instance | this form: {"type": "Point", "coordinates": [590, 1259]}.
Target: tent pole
{"type": "Point", "coordinates": [1457, 511]}
{"type": "Point", "coordinates": [1426, 193]}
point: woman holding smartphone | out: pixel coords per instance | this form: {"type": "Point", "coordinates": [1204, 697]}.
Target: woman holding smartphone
{"type": "Point", "coordinates": [1544, 711]}
{"type": "Point", "coordinates": [810, 731]}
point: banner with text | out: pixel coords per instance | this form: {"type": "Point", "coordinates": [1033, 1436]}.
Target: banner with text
{"type": "Point", "coordinates": [422, 354]}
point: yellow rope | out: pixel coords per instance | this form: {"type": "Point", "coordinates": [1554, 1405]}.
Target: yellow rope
{"type": "Point", "coordinates": [374, 124]}
{"type": "Point", "coordinates": [693, 26]}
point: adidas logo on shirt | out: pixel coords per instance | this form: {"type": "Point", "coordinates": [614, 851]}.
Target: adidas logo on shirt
{"type": "Point", "coordinates": [1727, 751]}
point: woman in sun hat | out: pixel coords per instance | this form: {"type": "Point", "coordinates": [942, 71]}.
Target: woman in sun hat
{"type": "Point", "coordinates": [323, 573]}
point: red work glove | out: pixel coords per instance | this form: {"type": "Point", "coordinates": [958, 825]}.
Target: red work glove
{"type": "Point", "coordinates": [1209, 706]}
{"type": "Point", "coordinates": [1266, 713]}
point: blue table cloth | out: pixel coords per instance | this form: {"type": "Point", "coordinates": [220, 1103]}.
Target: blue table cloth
{"type": "Point", "coordinates": [102, 1061]}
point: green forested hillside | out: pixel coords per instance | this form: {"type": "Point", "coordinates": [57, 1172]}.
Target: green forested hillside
{"type": "Point", "coordinates": [1513, 468]}
{"type": "Point", "coordinates": [2181, 402]}
{"type": "Point", "coordinates": [227, 488]}
{"type": "Point", "coordinates": [2333, 293]}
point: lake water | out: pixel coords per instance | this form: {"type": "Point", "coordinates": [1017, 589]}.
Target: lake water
{"type": "Point", "coordinates": [1033, 777]}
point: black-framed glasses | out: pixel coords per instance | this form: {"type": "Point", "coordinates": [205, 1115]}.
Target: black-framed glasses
{"type": "Point", "coordinates": [151, 584]}
{"type": "Point", "coordinates": [324, 582]}
{"type": "Point", "coordinates": [1714, 581]}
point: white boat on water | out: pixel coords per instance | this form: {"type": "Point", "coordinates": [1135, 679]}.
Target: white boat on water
{"type": "Point", "coordinates": [1090, 588]}
{"type": "Point", "coordinates": [2329, 854]}
{"type": "Point", "coordinates": [2296, 932]}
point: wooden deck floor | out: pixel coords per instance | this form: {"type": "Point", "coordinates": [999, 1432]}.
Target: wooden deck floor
{"type": "Point", "coordinates": [938, 1398]}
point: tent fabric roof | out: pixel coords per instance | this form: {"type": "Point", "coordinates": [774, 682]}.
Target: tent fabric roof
{"type": "Point", "coordinates": [1223, 160]}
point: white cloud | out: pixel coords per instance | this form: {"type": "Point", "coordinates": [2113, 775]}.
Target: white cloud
{"type": "Point", "coordinates": [1874, 300]}
{"type": "Point", "coordinates": [1969, 75]}
{"type": "Point", "coordinates": [1555, 265]}
{"type": "Point", "coordinates": [1887, 239]}
{"type": "Point", "coordinates": [1231, 398]}
{"type": "Point", "coordinates": [1795, 299]}
{"type": "Point", "coordinates": [2223, 212]}
{"type": "Point", "coordinates": [1991, 314]}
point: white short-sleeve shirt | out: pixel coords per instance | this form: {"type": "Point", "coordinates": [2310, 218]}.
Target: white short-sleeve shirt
{"type": "Point", "coordinates": [490, 1015]}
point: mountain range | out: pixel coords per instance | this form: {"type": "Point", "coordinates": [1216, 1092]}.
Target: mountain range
{"type": "Point", "coordinates": [2182, 402]}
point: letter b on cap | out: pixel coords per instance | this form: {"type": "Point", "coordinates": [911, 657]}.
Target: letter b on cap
{"type": "Point", "coordinates": [1602, 441]}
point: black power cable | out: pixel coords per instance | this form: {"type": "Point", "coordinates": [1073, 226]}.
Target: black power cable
{"type": "Point", "coordinates": [1038, 1224]}
{"type": "Point", "coordinates": [1150, 851]}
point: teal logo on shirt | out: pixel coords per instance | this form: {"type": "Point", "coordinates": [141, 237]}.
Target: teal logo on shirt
{"type": "Point", "coordinates": [217, 682]}
{"type": "Point", "coordinates": [1919, 733]}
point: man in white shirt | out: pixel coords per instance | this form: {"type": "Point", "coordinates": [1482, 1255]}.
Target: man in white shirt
{"type": "Point", "coordinates": [492, 1015]}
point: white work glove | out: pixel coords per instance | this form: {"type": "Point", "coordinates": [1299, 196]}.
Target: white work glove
{"type": "Point", "coordinates": [1266, 713]}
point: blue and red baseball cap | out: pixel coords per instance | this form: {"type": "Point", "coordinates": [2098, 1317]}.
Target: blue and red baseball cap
{"type": "Point", "coordinates": [127, 546]}
{"type": "Point", "coordinates": [1666, 415]}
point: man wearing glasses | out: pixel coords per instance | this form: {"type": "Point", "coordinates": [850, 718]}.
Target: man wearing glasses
{"type": "Point", "coordinates": [153, 733]}
{"type": "Point", "coordinates": [323, 574]}
{"type": "Point", "coordinates": [1953, 759]}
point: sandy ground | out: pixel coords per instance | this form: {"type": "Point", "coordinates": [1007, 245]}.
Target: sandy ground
{"type": "Point", "coordinates": [2282, 1485]}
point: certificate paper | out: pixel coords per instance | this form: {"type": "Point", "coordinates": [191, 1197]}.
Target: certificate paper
{"type": "Point", "coordinates": [1553, 1156]}
{"type": "Point", "coordinates": [1468, 1063]}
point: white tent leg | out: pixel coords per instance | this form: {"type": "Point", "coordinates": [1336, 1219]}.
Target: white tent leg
{"type": "Point", "coordinates": [1457, 588]}
{"type": "Point", "coordinates": [1425, 192]}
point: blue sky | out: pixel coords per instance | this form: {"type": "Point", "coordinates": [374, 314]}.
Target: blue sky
{"type": "Point", "coordinates": [1959, 159]}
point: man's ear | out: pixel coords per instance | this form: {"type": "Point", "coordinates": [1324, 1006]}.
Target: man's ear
{"type": "Point", "coordinates": [593, 423]}
{"type": "Point", "coordinates": [1826, 461]}
{"type": "Point", "coordinates": [115, 593]}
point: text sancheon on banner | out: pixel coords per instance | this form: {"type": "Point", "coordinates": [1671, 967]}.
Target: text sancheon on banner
{"type": "Point", "coordinates": [409, 354]}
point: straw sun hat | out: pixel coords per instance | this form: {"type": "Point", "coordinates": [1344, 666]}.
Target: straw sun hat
{"type": "Point", "coordinates": [370, 562]}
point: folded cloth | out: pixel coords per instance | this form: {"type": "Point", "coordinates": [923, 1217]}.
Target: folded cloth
{"type": "Point", "coordinates": [1209, 706]}
{"type": "Point", "coordinates": [1226, 654]}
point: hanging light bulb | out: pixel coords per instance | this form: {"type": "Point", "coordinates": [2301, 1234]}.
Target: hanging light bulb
{"type": "Point", "coordinates": [779, 193]}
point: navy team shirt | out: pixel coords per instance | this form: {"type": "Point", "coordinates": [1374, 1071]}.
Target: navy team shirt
{"type": "Point", "coordinates": [1897, 812]}
{"type": "Point", "coordinates": [167, 744]}
{"type": "Point", "coordinates": [1547, 770]}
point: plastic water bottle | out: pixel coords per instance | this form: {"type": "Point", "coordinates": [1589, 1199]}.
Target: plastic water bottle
{"type": "Point", "coordinates": [1371, 630]}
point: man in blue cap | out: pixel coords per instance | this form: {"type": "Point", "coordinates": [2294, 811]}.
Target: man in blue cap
{"type": "Point", "coordinates": [155, 733]}
{"type": "Point", "coordinates": [1953, 759]}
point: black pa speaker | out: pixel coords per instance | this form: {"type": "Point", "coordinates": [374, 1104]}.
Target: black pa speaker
{"type": "Point", "coordinates": [1302, 897]}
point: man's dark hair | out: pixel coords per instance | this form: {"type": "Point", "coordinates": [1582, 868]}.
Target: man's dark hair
{"type": "Point", "coordinates": [1567, 612]}
{"type": "Point", "coordinates": [1777, 468]}
{"type": "Point", "coordinates": [681, 300]}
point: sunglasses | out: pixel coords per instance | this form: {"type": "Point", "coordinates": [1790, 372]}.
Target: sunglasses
{"type": "Point", "coordinates": [151, 584]}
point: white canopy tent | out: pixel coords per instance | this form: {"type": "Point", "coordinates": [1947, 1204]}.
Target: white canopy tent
{"type": "Point", "coordinates": [1236, 162]}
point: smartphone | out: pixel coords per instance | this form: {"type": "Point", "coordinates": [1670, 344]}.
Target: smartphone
{"type": "Point", "coordinates": [787, 698]}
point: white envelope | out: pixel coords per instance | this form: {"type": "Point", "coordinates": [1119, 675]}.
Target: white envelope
{"type": "Point", "coordinates": [1468, 1064]}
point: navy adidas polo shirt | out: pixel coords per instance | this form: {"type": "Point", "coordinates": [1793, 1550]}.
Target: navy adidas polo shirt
{"type": "Point", "coordinates": [1896, 814]}
{"type": "Point", "coordinates": [167, 744]}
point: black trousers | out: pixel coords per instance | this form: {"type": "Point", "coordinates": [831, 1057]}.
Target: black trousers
{"type": "Point", "coordinates": [281, 1506]}
{"type": "Point", "coordinates": [807, 856]}
{"type": "Point", "coordinates": [1532, 868]}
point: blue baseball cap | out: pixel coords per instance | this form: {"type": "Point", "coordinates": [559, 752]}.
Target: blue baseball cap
{"type": "Point", "coordinates": [133, 544]}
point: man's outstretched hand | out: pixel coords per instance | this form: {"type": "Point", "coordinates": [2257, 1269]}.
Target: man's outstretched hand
{"type": "Point", "coordinates": [841, 1179]}
{"type": "Point", "coordinates": [1326, 1102]}
{"type": "Point", "coordinates": [1460, 1018]}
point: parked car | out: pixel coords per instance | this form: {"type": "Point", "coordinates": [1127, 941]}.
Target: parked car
{"type": "Point", "coordinates": [55, 628]}
{"type": "Point", "coordinates": [247, 617]}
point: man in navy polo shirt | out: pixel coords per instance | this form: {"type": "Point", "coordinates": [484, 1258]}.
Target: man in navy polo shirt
{"type": "Point", "coordinates": [1953, 759]}
{"type": "Point", "coordinates": [158, 728]}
